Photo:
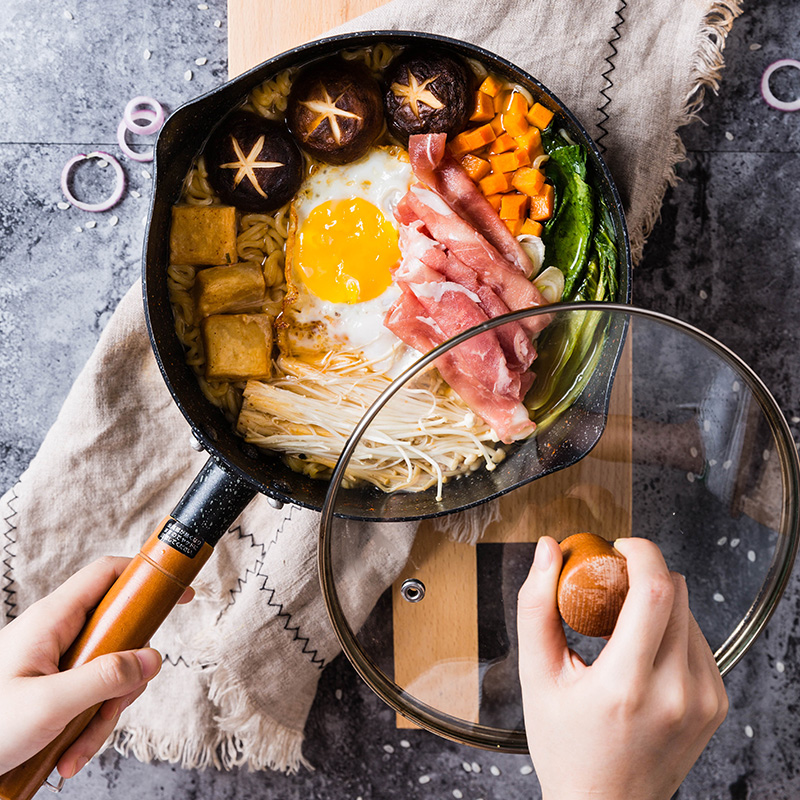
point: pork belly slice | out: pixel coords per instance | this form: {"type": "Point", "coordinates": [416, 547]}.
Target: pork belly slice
{"type": "Point", "coordinates": [416, 245]}
{"type": "Point", "coordinates": [436, 167]}
{"type": "Point", "coordinates": [461, 240]}
{"type": "Point", "coordinates": [467, 369]}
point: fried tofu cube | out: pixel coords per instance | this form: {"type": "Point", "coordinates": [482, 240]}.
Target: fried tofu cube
{"type": "Point", "coordinates": [239, 287]}
{"type": "Point", "coordinates": [203, 235]}
{"type": "Point", "coordinates": [238, 346]}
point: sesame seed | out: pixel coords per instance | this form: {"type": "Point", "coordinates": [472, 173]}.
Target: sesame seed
{"type": "Point", "coordinates": [146, 55]}
{"type": "Point", "coordinates": [706, 425]}
{"type": "Point", "coordinates": [387, 748]}
{"type": "Point", "coordinates": [690, 477]}
{"type": "Point", "coordinates": [91, 224]}
{"type": "Point", "coordinates": [693, 452]}
{"type": "Point", "coordinates": [494, 770]}
{"type": "Point", "coordinates": [780, 666]}
{"type": "Point", "coordinates": [755, 46]}
{"type": "Point", "coordinates": [526, 769]}
{"type": "Point", "coordinates": [102, 163]}
{"type": "Point", "coordinates": [703, 294]}
{"type": "Point", "coordinates": [78, 229]}
{"type": "Point", "coordinates": [144, 222]}
{"type": "Point", "coordinates": [68, 15]}
{"type": "Point", "coordinates": [63, 206]}
{"type": "Point", "coordinates": [712, 462]}
{"type": "Point", "coordinates": [217, 23]}
{"type": "Point", "coordinates": [736, 386]}
{"type": "Point", "coordinates": [405, 743]}
{"type": "Point", "coordinates": [765, 455]}
{"type": "Point", "coordinates": [134, 193]}
{"type": "Point", "coordinates": [202, 6]}
{"type": "Point", "coordinates": [458, 794]}
{"type": "Point", "coordinates": [476, 767]}
{"type": "Point", "coordinates": [424, 779]}
{"type": "Point", "coordinates": [338, 694]}
{"type": "Point", "coordinates": [727, 464]}
{"type": "Point", "coordinates": [722, 540]}
{"type": "Point", "coordinates": [748, 731]}
{"type": "Point", "coordinates": [466, 766]}
{"type": "Point", "coordinates": [718, 598]}
{"type": "Point", "coordinates": [729, 136]}
{"type": "Point", "coordinates": [751, 555]}
{"type": "Point", "coordinates": [113, 220]}
{"type": "Point", "coordinates": [795, 420]}
{"type": "Point", "coordinates": [735, 542]}
{"type": "Point", "coordinates": [188, 75]}
{"type": "Point", "coordinates": [146, 174]}
{"type": "Point", "coordinates": [201, 62]}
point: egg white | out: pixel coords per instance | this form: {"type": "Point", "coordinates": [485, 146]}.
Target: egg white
{"type": "Point", "coordinates": [312, 326]}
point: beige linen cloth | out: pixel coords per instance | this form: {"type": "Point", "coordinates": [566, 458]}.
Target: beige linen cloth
{"type": "Point", "coordinates": [243, 660]}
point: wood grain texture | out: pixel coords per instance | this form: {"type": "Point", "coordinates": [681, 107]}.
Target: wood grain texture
{"type": "Point", "coordinates": [436, 641]}
{"type": "Point", "coordinates": [260, 29]}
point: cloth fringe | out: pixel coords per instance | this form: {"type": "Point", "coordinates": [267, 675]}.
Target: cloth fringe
{"type": "Point", "coordinates": [468, 526]}
{"type": "Point", "coordinates": [705, 74]}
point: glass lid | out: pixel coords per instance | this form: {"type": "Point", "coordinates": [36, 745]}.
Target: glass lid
{"type": "Point", "coordinates": [644, 426]}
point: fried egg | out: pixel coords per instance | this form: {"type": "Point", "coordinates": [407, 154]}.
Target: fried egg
{"type": "Point", "coordinates": [341, 248]}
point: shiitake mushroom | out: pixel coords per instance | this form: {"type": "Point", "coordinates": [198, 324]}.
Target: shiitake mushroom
{"type": "Point", "coordinates": [335, 110]}
{"type": "Point", "coordinates": [253, 163]}
{"type": "Point", "coordinates": [426, 92]}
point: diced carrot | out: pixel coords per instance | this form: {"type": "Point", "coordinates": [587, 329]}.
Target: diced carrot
{"type": "Point", "coordinates": [491, 86]}
{"type": "Point", "coordinates": [528, 180]}
{"type": "Point", "coordinates": [514, 206]}
{"type": "Point", "coordinates": [502, 143]}
{"type": "Point", "coordinates": [514, 124]}
{"type": "Point", "coordinates": [495, 200]}
{"type": "Point", "coordinates": [473, 139]}
{"type": "Point", "coordinates": [540, 116]}
{"type": "Point", "coordinates": [514, 225]}
{"type": "Point", "coordinates": [542, 204]}
{"type": "Point", "coordinates": [510, 161]}
{"type": "Point", "coordinates": [500, 100]}
{"type": "Point", "coordinates": [531, 227]}
{"type": "Point", "coordinates": [531, 142]}
{"type": "Point", "coordinates": [516, 104]}
{"type": "Point", "coordinates": [476, 168]}
{"type": "Point", "coordinates": [484, 108]}
{"type": "Point", "coordinates": [497, 125]}
{"type": "Point", "coordinates": [495, 182]}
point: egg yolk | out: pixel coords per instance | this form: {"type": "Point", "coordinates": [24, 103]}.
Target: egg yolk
{"type": "Point", "coordinates": [345, 251]}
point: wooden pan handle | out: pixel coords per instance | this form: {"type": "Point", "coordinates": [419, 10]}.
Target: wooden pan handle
{"type": "Point", "coordinates": [141, 598]}
{"type": "Point", "coordinates": [131, 612]}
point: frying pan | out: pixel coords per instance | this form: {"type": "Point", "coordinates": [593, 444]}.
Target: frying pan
{"type": "Point", "coordinates": [236, 472]}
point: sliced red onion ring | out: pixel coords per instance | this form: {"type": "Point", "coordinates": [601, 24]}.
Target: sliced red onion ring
{"type": "Point", "coordinates": [119, 186]}
{"type": "Point", "coordinates": [122, 132]}
{"type": "Point", "coordinates": [766, 92]}
{"type": "Point", "coordinates": [130, 118]}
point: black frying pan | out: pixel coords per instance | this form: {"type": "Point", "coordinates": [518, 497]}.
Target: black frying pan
{"type": "Point", "coordinates": [169, 561]}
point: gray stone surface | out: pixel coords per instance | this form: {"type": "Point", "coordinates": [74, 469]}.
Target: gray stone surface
{"type": "Point", "coordinates": [724, 256]}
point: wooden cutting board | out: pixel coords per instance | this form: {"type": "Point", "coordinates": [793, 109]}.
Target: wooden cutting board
{"type": "Point", "coordinates": [436, 641]}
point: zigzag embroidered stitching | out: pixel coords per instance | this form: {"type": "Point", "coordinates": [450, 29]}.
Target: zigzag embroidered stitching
{"type": "Point", "coordinates": [257, 572]}
{"type": "Point", "coordinates": [8, 575]}
{"type": "Point", "coordinates": [609, 83]}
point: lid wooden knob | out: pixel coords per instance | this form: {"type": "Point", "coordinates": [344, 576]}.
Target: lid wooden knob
{"type": "Point", "coordinates": [592, 585]}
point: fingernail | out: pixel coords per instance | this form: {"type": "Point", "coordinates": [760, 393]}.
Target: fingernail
{"type": "Point", "coordinates": [150, 661]}
{"type": "Point", "coordinates": [542, 557]}
{"type": "Point", "coordinates": [79, 765]}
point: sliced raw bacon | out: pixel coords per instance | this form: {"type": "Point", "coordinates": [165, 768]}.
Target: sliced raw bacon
{"type": "Point", "coordinates": [434, 166]}
{"type": "Point", "coordinates": [466, 244]}
{"type": "Point", "coordinates": [504, 412]}
{"type": "Point", "coordinates": [414, 243]}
